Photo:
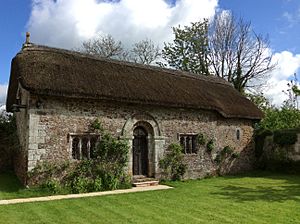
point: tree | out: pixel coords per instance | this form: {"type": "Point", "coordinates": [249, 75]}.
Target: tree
{"type": "Point", "coordinates": [280, 118]}
{"type": "Point", "coordinates": [225, 47]}
{"type": "Point", "coordinates": [105, 46]}
{"type": "Point", "coordinates": [189, 49]}
{"type": "Point", "coordinates": [143, 52]}
{"type": "Point", "coordinates": [259, 100]}
{"type": "Point", "coordinates": [292, 92]}
{"type": "Point", "coordinates": [237, 53]}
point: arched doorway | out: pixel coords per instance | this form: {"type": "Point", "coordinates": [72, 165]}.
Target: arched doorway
{"type": "Point", "coordinates": [140, 151]}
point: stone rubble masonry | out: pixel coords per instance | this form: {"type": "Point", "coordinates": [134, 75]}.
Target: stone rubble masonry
{"type": "Point", "coordinates": [292, 151]}
{"type": "Point", "coordinates": [49, 126]}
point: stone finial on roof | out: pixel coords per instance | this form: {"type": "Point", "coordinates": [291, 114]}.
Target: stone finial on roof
{"type": "Point", "coordinates": [27, 38]}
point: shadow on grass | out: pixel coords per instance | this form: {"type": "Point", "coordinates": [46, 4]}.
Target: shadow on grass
{"type": "Point", "coordinates": [10, 187]}
{"type": "Point", "coordinates": [9, 183]}
{"type": "Point", "coordinates": [267, 187]}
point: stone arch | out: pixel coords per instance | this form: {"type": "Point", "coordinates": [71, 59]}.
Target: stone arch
{"type": "Point", "coordinates": [155, 140]}
{"type": "Point", "coordinates": [144, 118]}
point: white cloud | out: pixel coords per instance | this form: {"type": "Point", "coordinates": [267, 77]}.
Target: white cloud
{"type": "Point", "coordinates": [65, 23]}
{"type": "Point", "coordinates": [3, 90]}
{"type": "Point", "coordinates": [287, 65]}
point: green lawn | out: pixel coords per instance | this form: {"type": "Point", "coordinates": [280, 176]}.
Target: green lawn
{"type": "Point", "coordinates": [10, 187]}
{"type": "Point", "coordinates": [263, 198]}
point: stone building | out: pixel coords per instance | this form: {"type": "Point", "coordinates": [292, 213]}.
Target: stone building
{"type": "Point", "coordinates": [56, 94]}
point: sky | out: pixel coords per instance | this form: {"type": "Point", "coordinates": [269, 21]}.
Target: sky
{"type": "Point", "coordinates": [66, 23]}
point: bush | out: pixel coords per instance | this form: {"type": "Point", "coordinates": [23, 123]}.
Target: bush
{"type": "Point", "coordinates": [105, 171]}
{"type": "Point", "coordinates": [277, 119]}
{"type": "Point", "coordinates": [235, 155]}
{"type": "Point", "coordinates": [52, 186]}
{"type": "Point", "coordinates": [259, 138]}
{"type": "Point", "coordinates": [227, 150]}
{"type": "Point", "coordinates": [285, 137]}
{"type": "Point", "coordinates": [8, 140]}
{"type": "Point", "coordinates": [201, 140]}
{"type": "Point", "coordinates": [210, 145]}
{"type": "Point", "coordinates": [172, 164]}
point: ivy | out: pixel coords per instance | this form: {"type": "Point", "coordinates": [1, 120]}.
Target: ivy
{"type": "Point", "coordinates": [172, 164]}
{"type": "Point", "coordinates": [210, 145]}
{"type": "Point", "coordinates": [201, 140]}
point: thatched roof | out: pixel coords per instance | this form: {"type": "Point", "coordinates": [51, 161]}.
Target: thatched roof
{"type": "Point", "coordinates": [57, 72]}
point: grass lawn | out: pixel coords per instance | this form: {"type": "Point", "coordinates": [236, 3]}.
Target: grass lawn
{"type": "Point", "coordinates": [10, 188]}
{"type": "Point", "coordinates": [256, 198]}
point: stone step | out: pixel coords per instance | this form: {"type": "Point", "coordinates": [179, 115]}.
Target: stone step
{"type": "Point", "coordinates": [144, 179]}
{"type": "Point", "coordinates": [146, 183]}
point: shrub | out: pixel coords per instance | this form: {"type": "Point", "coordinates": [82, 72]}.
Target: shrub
{"type": "Point", "coordinates": [201, 140]}
{"type": "Point", "coordinates": [277, 119]}
{"type": "Point", "coordinates": [227, 150]}
{"type": "Point", "coordinates": [218, 159]}
{"type": "Point", "coordinates": [172, 164]}
{"type": "Point", "coordinates": [210, 145]}
{"type": "Point", "coordinates": [259, 137]}
{"type": "Point", "coordinates": [8, 140]}
{"type": "Point", "coordinates": [285, 137]}
{"type": "Point", "coordinates": [235, 155]}
{"type": "Point", "coordinates": [52, 186]}
{"type": "Point", "coordinates": [105, 171]}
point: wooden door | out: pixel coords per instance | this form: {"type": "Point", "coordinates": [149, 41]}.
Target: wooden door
{"type": "Point", "coordinates": [140, 152]}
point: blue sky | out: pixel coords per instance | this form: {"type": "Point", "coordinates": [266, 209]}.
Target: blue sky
{"type": "Point", "coordinates": [65, 23]}
{"type": "Point", "coordinates": [280, 19]}
{"type": "Point", "coordinates": [13, 17]}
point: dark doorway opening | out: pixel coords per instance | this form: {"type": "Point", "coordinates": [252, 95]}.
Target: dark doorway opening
{"type": "Point", "coordinates": [140, 151]}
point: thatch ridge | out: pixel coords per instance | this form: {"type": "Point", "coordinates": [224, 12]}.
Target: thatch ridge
{"type": "Point", "coordinates": [57, 72]}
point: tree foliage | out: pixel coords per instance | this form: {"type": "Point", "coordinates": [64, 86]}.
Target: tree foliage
{"type": "Point", "coordinates": [143, 52]}
{"type": "Point", "coordinates": [237, 53]}
{"type": "Point", "coordinates": [280, 118]}
{"type": "Point", "coordinates": [189, 49]}
{"type": "Point", "coordinates": [259, 100]}
{"type": "Point", "coordinates": [8, 140]}
{"type": "Point", "coordinates": [104, 46]}
{"type": "Point", "coordinates": [276, 118]}
{"type": "Point", "coordinates": [293, 92]}
{"type": "Point", "coordinates": [225, 47]}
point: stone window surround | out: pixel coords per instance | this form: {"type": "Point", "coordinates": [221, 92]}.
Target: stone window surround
{"type": "Point", "coordinates": [81, 136]}
{"type": "Point", "coordinates": [192, 136]}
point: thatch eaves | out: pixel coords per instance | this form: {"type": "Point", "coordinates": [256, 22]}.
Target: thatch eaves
{"type": "Point", "coordinates": [56, 72]}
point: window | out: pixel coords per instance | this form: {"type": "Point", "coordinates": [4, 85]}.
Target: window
{"type": "Point", "coordinates": [188, 143]}
{"type": "Point", "coordinates": [238, 134]}
{"type": "Point", "coordinates": [82, 145]}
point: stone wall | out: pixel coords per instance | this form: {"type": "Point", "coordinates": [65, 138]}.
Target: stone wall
{"type": "Point", "coordinates": [51, 123]}
{"type": "Point", "coordinates": [284, 153]}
